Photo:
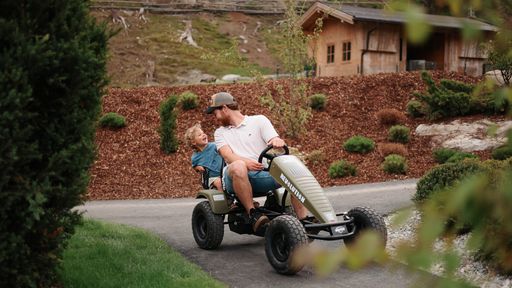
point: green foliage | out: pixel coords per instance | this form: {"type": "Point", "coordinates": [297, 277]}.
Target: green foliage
{"type": "Point", "coordinates": [52, 74]}
{"type": "Point", "coordinates": [102, 254]}
{"type": "Point", "coordinates": [415, 108]}
{"type": "Point", "coordinates": [341, 168]}
{"type": "Point", "coordinates": [459, 156]}
{"type": "Point", "coordinates": [112, 120]}
{"type": "Point", "coordinates": [441, 155]}
{"type": "Point", "coordinates": [443, 102]}
{"type": "Point", "coordinates": [395, 164]}
{"type": "Point", "coordinates": [189, 100]}
{"type": "Point", "coordinates": [359, 144]}
{"type": "Point", "coordinates": [317, 101]}
{"type": "Point", "coordinates": [443, 177]}
{"type": "Point", "coordinates": [167, 130]}
{"type": "Point", "coordinates": [456, 86]}
{"type": "Point", "coordinates": [500, 57]}
{"type": "Point", "coordinates": [399, 133]}
{"type": "Point", "coordinates": [502, 153]}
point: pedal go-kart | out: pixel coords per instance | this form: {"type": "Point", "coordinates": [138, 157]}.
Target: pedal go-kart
{"type": "Point", "coordinates": [284, 233]}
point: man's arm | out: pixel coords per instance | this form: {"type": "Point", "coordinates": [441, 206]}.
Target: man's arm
{"type": "Point", "coordinates": [228, 155]}
{"type": "Point", "coordinates": [276, 142]}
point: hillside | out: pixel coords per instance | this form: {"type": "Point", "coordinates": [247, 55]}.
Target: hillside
{"type": "Point", "coordinates": [130, 164]}
{"type": "Point", "coordinates": [153, 47]}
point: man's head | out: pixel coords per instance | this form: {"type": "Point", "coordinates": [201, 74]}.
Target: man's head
{"type": "Point", "coordinates": [221, 105]}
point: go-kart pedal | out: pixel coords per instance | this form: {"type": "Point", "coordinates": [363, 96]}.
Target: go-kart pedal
{"type": "Point", "coordinates": [257, 219]}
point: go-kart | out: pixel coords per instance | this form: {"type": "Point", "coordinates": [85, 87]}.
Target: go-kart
{"type": "Point", "coordinates": [284, 233]}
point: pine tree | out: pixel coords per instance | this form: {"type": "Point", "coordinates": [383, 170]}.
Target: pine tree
{"type": "Point", "coordinates": [52, 72]}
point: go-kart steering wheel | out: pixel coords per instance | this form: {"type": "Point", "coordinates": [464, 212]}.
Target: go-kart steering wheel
{"type": "Point", "coordinates": [266, 155]}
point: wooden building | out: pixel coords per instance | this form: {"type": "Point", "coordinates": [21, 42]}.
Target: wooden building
{"type": "Point", "coordinates": [356, 40]}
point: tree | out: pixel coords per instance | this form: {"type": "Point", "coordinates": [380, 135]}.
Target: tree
{"type": "Point", "coordinates": [501, 59]}
{"type": "Point", "coordinates": [52, 72]}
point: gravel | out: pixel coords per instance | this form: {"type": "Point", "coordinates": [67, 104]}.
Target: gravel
{"type": "Point", "coordinates": [476, 272]}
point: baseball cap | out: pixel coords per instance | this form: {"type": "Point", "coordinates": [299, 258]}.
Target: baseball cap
{"type": "Point", "coordinates": [218, 100]}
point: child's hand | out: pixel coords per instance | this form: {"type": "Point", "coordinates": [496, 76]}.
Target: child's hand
{"type": "Point", "coordinates": [199, 169]}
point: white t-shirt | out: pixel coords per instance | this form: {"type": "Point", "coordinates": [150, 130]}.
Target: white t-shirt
{"type": "Point", "coordinates": [247, 139]}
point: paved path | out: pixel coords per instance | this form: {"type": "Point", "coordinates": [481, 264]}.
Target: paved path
{"type": "Point", "coordinates": [240, 261]}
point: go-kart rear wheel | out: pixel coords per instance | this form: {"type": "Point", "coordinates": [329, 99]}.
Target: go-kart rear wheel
{"type": "Point", "coordinates": [207, 227]}
{"type": "Point", "coordinates": [366, 219]}
{"type": "Point", "coordinates": [284, 235]}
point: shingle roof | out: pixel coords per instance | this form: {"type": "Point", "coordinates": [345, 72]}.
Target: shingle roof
{"type": "Point", "coordinates": [381, 15]}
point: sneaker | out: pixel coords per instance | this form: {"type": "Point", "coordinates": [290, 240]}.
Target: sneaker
{"type": "Point", "coordinates": [258, 219]}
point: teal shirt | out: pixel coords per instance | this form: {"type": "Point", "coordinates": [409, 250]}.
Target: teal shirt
{"type": "Point", "coordinates": [209, 158]}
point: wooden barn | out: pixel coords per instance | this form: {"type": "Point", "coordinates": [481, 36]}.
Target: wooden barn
{"type": "Point", "coordinates": [356, 40]}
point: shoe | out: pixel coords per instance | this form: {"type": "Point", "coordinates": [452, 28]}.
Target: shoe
{"type": "Point", "coordinates": [258, 219]}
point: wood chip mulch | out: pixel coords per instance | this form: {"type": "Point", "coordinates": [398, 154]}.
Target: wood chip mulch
{"type": "Point", "coordinates": [130, 164]}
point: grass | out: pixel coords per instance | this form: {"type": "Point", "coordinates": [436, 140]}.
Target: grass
{"type": "Point", "coordinates": [111, 255]}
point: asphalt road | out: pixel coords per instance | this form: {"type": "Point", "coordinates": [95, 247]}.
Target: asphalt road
{"type": "Point", "coordinates": [240, 261]}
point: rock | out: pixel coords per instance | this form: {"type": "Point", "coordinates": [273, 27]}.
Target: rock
{"type": "Point", "coordinates": [259, 50]}
{"type": "Point", "coordinates": [207, 78]}
{"type": "Point", "coordinates": [243, 50]}
{"type": "Point", "coordinates": [195, 76]}
{"type": "Point", "coordinates": [496, 76]}
{"type": "Point", "coordinates": [465, 136]}
{"type": "Point", "coordinates": [231, 77]}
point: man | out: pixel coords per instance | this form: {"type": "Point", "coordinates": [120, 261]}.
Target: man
{"type": "Point", "coordinates": [240, 140]}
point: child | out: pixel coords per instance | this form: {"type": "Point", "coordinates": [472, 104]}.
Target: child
{"type": "Point", "coordinates": [205, 155]}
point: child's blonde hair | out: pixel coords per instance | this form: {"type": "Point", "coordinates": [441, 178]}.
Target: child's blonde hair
{"type": "Point", "coordinates": [190, 134]}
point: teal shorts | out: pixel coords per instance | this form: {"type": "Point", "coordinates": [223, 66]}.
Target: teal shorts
{"type": "Point", "coordinates": [261, 183]}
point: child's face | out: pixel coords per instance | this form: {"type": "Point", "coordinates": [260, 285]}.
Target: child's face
{"type": "Point", "coordinates": [200, 138]}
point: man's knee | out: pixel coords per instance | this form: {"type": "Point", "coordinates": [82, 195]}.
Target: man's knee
{"type": "Point", "coordinates": [238, 169]}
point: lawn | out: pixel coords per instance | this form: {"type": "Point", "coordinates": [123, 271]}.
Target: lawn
{"type": "Point", "coordinates": [110, 255]}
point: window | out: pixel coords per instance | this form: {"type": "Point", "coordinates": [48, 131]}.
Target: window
{"type": "Point", "coordinates": [330, 54]}
{"type": "Point", "coordinates": [346, 51]}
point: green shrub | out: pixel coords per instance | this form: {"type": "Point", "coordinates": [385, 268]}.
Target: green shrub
{"type": "Point", "coordinates": [502, 153]}
{"type": "Point", "coordinates": [395, 164]}
{"type": "Point", "coordinates": [456, 86]}
{"type": "Point", "coordinates": [415, 108]}
{"type": "Point", "coordinates": [52, 76]}
{"type": "Point", "coordinates": [444, 176]}
{"type": "Point", "coordinates": [399, 133]}
{"type": "Point", "coordinates": [459, 156]}
{"type": "Point", "coordinates": [359, 144]}
{"type": "Point", "coordinates": [189, 100]}
{"type": "Point", "coordinates": [341, 168]}
{"type": "Point", "coordinates": [443, 102]}
{"type": "Point", "coordinates": [441, 155]}
{"type": "Point", "coordinates": [318, 101]}
{"type": "Point", "coordinates": [167, 130]}
{"type": "Point", "coordinates": [112, 120]}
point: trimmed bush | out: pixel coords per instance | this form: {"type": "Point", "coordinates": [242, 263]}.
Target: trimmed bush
{"type": "Point", "coordinates": [318, 101]}
{"type": "Point", "coordinates": [386, 149]}
{"type": "Point", "coordinates": [456, 86]}
{"type": "Point", "coordinates": [189, 100]}
{"type": "Point", "coordinates": [399, 133]}
{"type": "Point", "coordinates": [445, 176]}
{"type": "Point", "coordinates": [167, 130]}
{"type": "Point", "coordinates": [441, 155]}
{"type": "Point", "coordinates": [341, 168]}
{"type": "Point", "coordinates": [112, 120]}
{"type": "Point", "coordinates": [415, 108]}
{"type": "Point", "coordinates": [359, 144]}
{"type": "Point", "coordinates": [52, 76]}
{"type": "Point", "coordinates": [390, 117]}
{"type": "Point", "coordinates": [459, 156]}
{"type": "Point", "coordinates": [315, 157]}
{"type": "Point", "coordinates": [395, 164]}
{"type": "Point", "coordinates": [502, 153]}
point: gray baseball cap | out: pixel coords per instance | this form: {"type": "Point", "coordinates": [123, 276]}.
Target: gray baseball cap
{"type": "Point", "coordinates": [218, 100]}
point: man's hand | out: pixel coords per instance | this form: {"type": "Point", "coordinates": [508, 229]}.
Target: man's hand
{"type": "Point", "coordinates": [276, 142]}
{"type": "Point", "coordinates": [253, 165]}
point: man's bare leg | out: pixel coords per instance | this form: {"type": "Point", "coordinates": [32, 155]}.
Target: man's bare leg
{"type": "Point", "coordinates": [299, 208]}
{"type": "Point", "coordinates": [243, 190]}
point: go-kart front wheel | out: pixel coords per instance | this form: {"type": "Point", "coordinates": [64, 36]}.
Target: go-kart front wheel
{"type": "Point", "coordinates": [367, 219]}
{"type": "Point", "coordinates": [207, 227]}
{"type": "Point", "coordinates": [284, 235]}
